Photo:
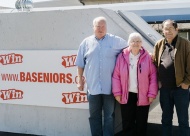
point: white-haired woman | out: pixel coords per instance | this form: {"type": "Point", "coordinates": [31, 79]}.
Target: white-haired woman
{"type": "Point", "coordinates": [134, 85]}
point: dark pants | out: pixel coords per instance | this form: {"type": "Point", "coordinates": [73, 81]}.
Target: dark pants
{"type": "Point", "coordinates": [97, 104]}
{"type": "Point", "coordinates": [180, 98]}
{"type": "Point", "coordinates": [134, 118]}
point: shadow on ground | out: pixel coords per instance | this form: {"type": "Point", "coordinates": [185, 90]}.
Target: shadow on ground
{"type": "Point", "coordinates": [152, 130]}
{"type": "Point", "coordinates": [155, 130]}
{"type": "Point", "coordinates": [14, 134]}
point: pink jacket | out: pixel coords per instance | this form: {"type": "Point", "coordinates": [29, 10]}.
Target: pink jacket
{"type": "Point", "coordinates": [146, 76]}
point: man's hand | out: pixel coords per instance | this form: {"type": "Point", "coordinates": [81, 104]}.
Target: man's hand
{"type": "Point", "coordinates": [184, 86]}
{"type": "Point", "coordinates": [80, 84]}
{"type": "Point", "coordinates": [81, 79]}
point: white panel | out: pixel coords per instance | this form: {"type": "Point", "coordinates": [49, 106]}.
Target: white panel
{"type": "Point", "coordinates": [141, 26]}
{"type": "Point", "coordinates": [49, 77]}
{"type": "Point", "coordinates": [52, 29]}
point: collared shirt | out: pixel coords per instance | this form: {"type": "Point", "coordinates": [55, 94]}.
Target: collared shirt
{"type": "Point", "coordinates": [98, 57]}
{"type": "Point", "coordinates": [166, 69]}
{"type": "Point", "coordinates": [172, 45]}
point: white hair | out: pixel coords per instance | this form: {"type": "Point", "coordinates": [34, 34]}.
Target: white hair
{"type": "Point", "coordinates": [134, 35]}
{"type": "Point", "coordinates": [98, 19]}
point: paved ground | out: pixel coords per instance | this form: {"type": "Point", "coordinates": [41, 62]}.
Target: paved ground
{"type": "Point", "coordinates": [154, 125]}
{"type": "Point", "coordinates": [153, 130]}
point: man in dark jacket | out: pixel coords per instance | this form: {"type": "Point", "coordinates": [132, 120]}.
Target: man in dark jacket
{"type": "Point", "coordinates": [172, 58]}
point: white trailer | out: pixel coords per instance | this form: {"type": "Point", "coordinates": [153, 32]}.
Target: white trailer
{"type": "Point", "coordinates": [56, 29]}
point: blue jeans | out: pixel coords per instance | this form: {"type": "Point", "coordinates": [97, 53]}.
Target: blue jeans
{"type": "Point", "coordinates": [180, 98]}
{"type": "Point", "coordinates": [97, 103]}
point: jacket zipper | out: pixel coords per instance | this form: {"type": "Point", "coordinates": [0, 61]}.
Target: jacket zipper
{"type": "Point", "coordinates": [126, 79]}
{"type": "Point", "coordinates": [138, 69]}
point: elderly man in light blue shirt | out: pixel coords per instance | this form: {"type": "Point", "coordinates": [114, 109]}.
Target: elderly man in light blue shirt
{"type": "Point", "coordinates": [96, 59]}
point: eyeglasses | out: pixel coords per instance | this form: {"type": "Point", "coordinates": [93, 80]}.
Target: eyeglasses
{"type": "Point", "coordinates": [136, 42]}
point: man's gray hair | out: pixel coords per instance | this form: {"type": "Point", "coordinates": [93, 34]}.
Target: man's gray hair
{"type": "Point", "coordinates": [133, 35]}
{"type": "Point", "coordinates": [98, 19]}
{"type": "Point", "coordinates": [174, 23]}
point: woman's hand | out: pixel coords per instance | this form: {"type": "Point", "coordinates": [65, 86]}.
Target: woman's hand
{"type": "Point", "coordinates": [118, 98]}
{"type": "Point", "coordinates": [150, 100]}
